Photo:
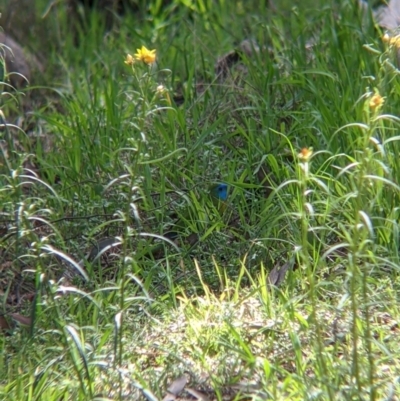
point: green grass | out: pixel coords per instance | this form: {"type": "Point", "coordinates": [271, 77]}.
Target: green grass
{"type": "Point", "coordinates": [112, 157]}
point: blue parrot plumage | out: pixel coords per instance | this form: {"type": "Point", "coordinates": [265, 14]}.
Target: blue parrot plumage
{"type": "Point", "coordinates": [220, 191]}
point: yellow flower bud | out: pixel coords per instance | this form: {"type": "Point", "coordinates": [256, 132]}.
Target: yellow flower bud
{"type": "Point", "coordinates": [129, 60]}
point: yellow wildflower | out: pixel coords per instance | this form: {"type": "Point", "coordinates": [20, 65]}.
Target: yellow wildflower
{"type": "Point", "coordinates": [392, 40]}
{"type": "Point", "coordinates": [129, 60]}
{"type": "Point", "coordinates": [145, 55]}
{"type": "Point", "coordinates": [305, 154]}
{"type": "Point", "coordinates": [376, 102]}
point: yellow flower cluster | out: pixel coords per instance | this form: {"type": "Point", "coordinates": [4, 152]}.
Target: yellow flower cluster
{"type": "Point", "coordinates": [145, 55]}
{"type": "Point", "coordinates": [392, 40]}
{"type": "Point", "coordinates": [305, 154]}
{"type": "Point", "coordinates": [376, 102]}
{"type": "Point", "coordinates": [142, 54]}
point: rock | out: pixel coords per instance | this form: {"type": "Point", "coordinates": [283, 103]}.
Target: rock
{"type": "Point", "coordinates": [388, 16]}
{"type": "Point", "coordinates": [17, 68]}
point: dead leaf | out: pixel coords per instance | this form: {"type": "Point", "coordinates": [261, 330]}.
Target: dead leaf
{"type": "Point", "coordinates": [175, 388]}
{"type": "Point", "coordinates": [177, 385]}
{"type": "Point", "coordinates": [277, 274]}
{"type": "Point", "coordinates": [169, 397]}
{"type": "Point", "coordinates": [29, 296]}
{"type": "Point", "coordinates": [197, 394]}
{"type": "Point", "coordinates": [26, 321]}
{"type": "Point", "coordinates": [4, 325]}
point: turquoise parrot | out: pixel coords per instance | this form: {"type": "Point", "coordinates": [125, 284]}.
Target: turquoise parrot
{"type": "Point", "coordinates": [219, 192]}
